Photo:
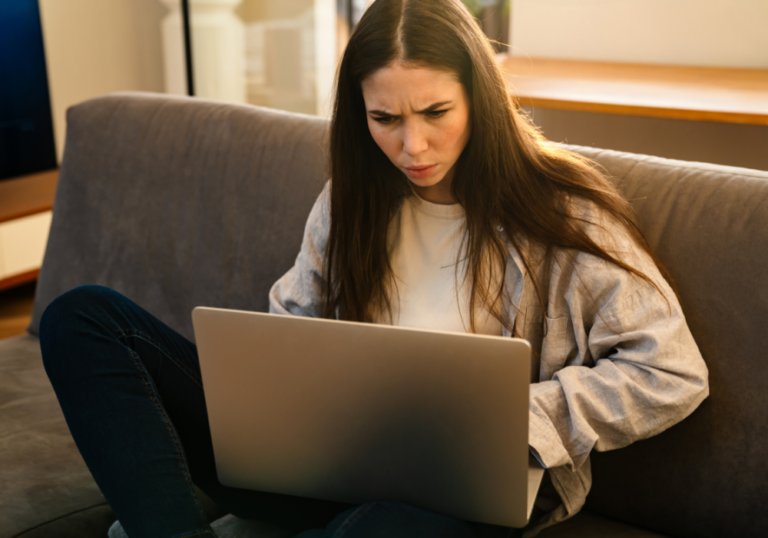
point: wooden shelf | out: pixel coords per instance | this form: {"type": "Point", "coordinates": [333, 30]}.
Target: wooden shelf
{"type": "Point", "coordinates": [19, 279]}
{"type": "Point", "coordinates": [27, 195]}
{"type": "Point", "coordinates": [666, 91]}
{"type": "Point", "coordinates": [16, 307]}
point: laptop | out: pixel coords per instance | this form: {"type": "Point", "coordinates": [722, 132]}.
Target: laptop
{"type": "Point", "coordinates": [357, 412]}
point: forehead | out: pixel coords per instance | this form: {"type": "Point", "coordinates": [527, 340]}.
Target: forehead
{"type": "Point", "coordinates": [399, 86]}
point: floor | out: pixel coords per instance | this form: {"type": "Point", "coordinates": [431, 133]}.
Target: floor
{"type": "Point", "coordinates": [16, 309]}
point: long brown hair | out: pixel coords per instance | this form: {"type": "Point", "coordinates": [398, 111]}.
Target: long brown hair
{"type": "Point", "coordinates": [507, 177]}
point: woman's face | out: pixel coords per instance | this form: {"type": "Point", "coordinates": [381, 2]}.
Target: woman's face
{"type": "Point", "coordinates": [419, 117]}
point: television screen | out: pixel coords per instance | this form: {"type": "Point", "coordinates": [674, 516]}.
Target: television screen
{"type": "Point", "coordinates": [26, 128]}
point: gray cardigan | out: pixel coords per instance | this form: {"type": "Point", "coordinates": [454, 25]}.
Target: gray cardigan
{"type": "Point", "coordinates": [614, 361]}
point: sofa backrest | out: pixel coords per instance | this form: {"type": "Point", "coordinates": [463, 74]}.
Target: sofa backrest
{"type": "Point", "coordinates": [708, 475]}
{"type": "Point", "coordinates": [179, 202]}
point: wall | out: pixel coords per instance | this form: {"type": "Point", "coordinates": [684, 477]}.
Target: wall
{"type": "Point", "coordinates": [720, 143]}
{"type": "Point", "coordinates": [727, 33]}
{"type": "Point", "coordinates": [95, 47]}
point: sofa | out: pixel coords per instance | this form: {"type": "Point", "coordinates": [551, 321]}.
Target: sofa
{"type": "Point", "coordinates": [178, 202]}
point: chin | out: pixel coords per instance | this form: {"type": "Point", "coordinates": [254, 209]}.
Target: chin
{"type": "Point", "coordinates": [423, 183]}
{"type": "Point", "coordinates": [426, 182]}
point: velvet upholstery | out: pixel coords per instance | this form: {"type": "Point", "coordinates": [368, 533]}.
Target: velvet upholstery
{"type": "Point", "coordinates": [180, 202]}
{"type": "Point", "coordinates": [707, 476]}
{"type": "Point", "coordinates": [204, 204]}
{"type": "Point", "coordinates": [589, 525]}
{"type": "Point", "coordinates": [43, 479]}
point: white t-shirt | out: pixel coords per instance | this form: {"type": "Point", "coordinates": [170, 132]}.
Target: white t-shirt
{"type": "Point", "coordinates": [424, 241]}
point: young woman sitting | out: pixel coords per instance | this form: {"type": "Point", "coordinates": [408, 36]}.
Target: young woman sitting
{"type": "Point", "coordinates": [445, 210]}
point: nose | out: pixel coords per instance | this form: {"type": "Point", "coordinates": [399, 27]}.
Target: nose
{"type": "Point", "coordinates": [414, 138]}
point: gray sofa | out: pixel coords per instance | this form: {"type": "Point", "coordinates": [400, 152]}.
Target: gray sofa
{"type": "Point", "coordinates": [179, 202]}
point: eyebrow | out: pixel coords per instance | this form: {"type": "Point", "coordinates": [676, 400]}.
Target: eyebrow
{"type": "Point", "coordinates": [430, 108]}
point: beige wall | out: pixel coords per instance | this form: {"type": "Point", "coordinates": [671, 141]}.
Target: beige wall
{"type": "Point", "coordinates": [731, 144]}
{"type": "Point", "coordinates": [725, 33]}
{"type": "Point", "coordinates": [729, 33]}
{"type": "Point", "coordinates": [94, 47]}
{"type": "Point", "coordinates": [261, 10]}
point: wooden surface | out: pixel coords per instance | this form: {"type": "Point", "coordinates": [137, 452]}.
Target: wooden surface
{"type": "Point", "coordinates": [27, 195]}
{"type": "Point", "coordinates": [667, 91]}
{"type": "Point", "coordinates": [19, 279]}
{"type": "Point", "coordinates": [16, 310]}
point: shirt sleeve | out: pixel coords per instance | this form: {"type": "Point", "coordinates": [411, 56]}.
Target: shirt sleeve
{"type": "Point", "coordinates": [636, 371]}
{"type": "Point", "coordinates": [299, 291]}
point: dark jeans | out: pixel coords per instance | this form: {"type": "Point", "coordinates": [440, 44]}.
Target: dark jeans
{"type": "Point", "coordinates": [130, 389]}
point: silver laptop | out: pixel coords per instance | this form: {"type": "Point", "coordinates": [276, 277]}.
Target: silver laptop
{"type": "Point", "coordinates": [357, 412]}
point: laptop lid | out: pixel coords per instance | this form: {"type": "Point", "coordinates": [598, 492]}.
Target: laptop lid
{"type": "Point", "coordinates": [357, 412]}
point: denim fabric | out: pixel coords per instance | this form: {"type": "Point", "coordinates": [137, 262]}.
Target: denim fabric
{"type": "Point", "coordinates": [130, 390]}
{"type": "Point", "coordinates": [386, 519]}
{"type": "Point", "coordinates": [228, 526]}
{"type": "Point", "coordinates": [380, 519]}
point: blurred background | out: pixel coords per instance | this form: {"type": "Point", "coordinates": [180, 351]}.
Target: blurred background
{"type": "Point", "coordinates": [284, 54]}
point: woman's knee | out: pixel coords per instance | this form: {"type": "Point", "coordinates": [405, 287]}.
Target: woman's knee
{"type": "Point", "coordinates": [63, 310]}
{"type": "Point", "coordinates": [63, 319]}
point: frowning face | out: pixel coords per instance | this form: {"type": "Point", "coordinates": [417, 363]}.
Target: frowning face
{"type": "Point", "coordinates": [419, 117]}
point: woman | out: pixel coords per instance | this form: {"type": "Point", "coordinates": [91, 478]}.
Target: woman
{"type": "Point", "coordinates": [446, 210]}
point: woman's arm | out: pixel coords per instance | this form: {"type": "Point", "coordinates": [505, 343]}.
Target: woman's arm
{"type": "Point", "coordinates": [299, 291]}
{"type": "Point", "coordinates": [631, 366]}
{"type": "Point", "coordinates": [645, 379]}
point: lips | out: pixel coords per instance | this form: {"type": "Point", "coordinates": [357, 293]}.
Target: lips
{"type": "Point", "coordinates": [420, 172]}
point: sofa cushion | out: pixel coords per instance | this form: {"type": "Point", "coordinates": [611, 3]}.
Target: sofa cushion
{"type": "Point", "coordinates": [87, 523]}
{"type": "Point", "coordinates": [707, 476]}
{"type": "Point", "coordinates": [44, 480]}
{"type": "Point", "coordinates": [178, 202]}
{"type": "Point", "coordinates": [587, 524]}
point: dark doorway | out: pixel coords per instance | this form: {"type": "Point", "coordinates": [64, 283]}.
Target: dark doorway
{"type": "Point", "coordinates": [26, 127]}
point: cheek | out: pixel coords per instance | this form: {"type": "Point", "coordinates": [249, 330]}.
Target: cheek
{"type": "Point", "coordinates": [453, 136]}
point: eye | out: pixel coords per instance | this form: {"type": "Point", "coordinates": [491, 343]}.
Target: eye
{"type": "Point", "coordinates": [385, 120]}
{"type": "Point", "coordinates": [434, 114]}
